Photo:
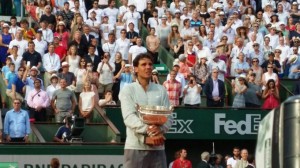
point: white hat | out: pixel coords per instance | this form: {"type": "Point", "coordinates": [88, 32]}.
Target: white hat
{"type": "Point", "coordinates": [255, 42]}
{"type": "Point", "coordinates": [154, 71]}
{"type": "Point", "coordinates": [294, 3]}
{"type": "Point", "coordinates": [177, 11]}
{"type": "Point", "coordinates": [35, 69]}
{"type": "Point", "coordinates": [202, 57]}
{"type": "Point", "coordinates": [176, 62]}
{"type": "Point", "coordinates": [211, 10]}
{"type": "Point", "coordinates": [221, 13]}
{"type": "Point", "coordinates": [127, 65]}
{"type": "Point", "coordinates": [181, 57]}
{"type": "Point", "coordinates": [5, 25]}
{"type": "Point", "coordinates": [293, 59]}
{"type": "Point", "coordinates": [64, 64]}
{"type": "Point", "coordinates": [164, 16]}
{"type": "Point", "coordinates": [131, 4]}
{"type": "Point", "coordinates": [53, 76]}
{"type": "Point", "coordinates": [61, 23]}
{"type": "Point", "coordinates": [281, 23]}
{"type": "Point", "coordinates": [242, 76]}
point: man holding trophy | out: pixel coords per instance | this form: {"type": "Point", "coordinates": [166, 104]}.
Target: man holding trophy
{"type": "Point", "coordinates": [147, 115]}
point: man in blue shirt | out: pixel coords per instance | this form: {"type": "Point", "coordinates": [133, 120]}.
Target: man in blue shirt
{"type": "Point", "coordinates": [64, 131]}
{"type": "Point", "coordinates": [17, 124]}
{"type": "Point", "coordinates": [16, 86]}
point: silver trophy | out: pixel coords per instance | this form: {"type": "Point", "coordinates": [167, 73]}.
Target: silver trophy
{"type": "Point", "coordinates": [153, 115]}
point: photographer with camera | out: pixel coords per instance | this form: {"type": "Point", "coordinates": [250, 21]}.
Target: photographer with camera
{"type": "Point", "coordinates": [192, 93]}
{"type": "Point", "coordinates": [64, 132]}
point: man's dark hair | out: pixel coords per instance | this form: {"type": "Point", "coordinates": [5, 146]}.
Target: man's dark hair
{"type": "Point", "coordinates": [54, 163]}
{"type": "Point", "coordinates": [141, 56]}
{"type": "Point", "coordinates": [250, 158]}
{"type": "Point", "coordinates": [13, 17]}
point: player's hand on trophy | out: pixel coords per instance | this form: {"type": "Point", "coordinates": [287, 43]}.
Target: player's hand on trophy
{"type": "Point", "coordinates": [153, 130]}
{"type": "Point", "coordinates": [158, 140]}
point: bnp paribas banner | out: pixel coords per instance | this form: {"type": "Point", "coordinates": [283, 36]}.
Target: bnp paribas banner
{"type": "Point", "coordinates": [206, 123]}
{"type": "Point", "coordinates": [66, 161]}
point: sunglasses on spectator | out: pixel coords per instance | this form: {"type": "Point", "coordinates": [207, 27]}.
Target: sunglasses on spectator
{"type": "Point", "coordinates": [254, 61]}
{"type": "Point", "coordinates": [277, 52]}
{"type": "Point", "coordinates": [255, 45]}
{"type": "Point", "coordinates": [270, 67]}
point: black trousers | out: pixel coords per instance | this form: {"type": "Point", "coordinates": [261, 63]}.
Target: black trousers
{"type": "Point", "coordinates": [17, 139]}
{"type": "Point", "coordinates": [212, 103]}
{"type": "Point", "coordinates": [38, 115]}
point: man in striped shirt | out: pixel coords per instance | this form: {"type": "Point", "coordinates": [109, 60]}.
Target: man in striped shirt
{"type": "Point", "coordinates": [173, 88]}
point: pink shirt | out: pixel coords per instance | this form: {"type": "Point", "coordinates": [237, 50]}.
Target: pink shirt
{"type": "Point", "coordinates": [38, 98]}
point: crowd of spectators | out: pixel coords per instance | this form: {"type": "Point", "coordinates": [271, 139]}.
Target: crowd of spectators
{"type": "Point", "coordinates": [85, 50]}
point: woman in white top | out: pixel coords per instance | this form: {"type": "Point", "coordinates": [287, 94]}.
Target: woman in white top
{"type": "Point", "coordinates": [80, 73]}
{"type": "Point", "coordinates": [86, 102]}
{"type": "Point", "coordinates": [16, 59]}
{"type": "Point", "coordinates": [53, 86]}
{"type": "Point", "coordinates": [192, 93]}
{"type": "Point", "coordinates": [269, 75]}
{"type": "Point", "coordinates": [119, 26]}
{"type": "Point", "coordinates": [73, 59]}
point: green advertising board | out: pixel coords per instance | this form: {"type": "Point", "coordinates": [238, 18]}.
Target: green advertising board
{"type": "Point", "coordinates": [205, 123]}
{"type": "Point", "coordinates": [9, 165]}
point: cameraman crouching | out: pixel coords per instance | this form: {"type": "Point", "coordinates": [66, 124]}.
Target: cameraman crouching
{"type": "Point", "coordinates": [64, 132]}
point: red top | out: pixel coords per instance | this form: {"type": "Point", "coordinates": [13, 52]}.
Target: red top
{"type": "Point", "coordinates": [61, 52]}
{"type": "Point", "coordinates": [182, 163]}
{"type": "Point", "coordinates": [191, 59]}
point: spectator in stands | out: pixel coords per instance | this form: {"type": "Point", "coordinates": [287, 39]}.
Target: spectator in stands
{"type": "Point", "coordinates": [179, 77]}
{"type": "Point", "coordinates": [87, 102]}
{"type": "Point", "coordinates": [40, 44]}
{"type": "Point", "coordinates": [110, 47]}
{"type": "Point", "coordinates": [269, 75]}
{"type": "Point", "coordinates": [29, 81]}
{"type": "Point", "coordinates": [214, 90]}
{"type": "Point", "coordinates": [211, 42]}
{"type": "Point", "coordinates": [231, 162]}
{"type": "Point", "coordinates": [153, 44]}
{"type": "Point", "coordinates": [235, 54]}
{"type": "Point", "coordinates": [184, 68]}
{"type": "Point", "coordinates": [119, 26]}
{"type": "Point", "coordinates": [191, 93]}
{"type": "Point", "coordinates": [176, 156]}
{"type": "Point", "coordinates": [80, 73]}
{"type": "Point", "coordinates": [32, 56]}
{"type": "Point", "coordinates": [47, 34]}
{"type": "Point", "coordinates": [173, 37]}
{"type": "Point", "coordinates": [66, 13]}
{"type": "Point", "coordinates": [267, 48]}
{"type": "Point", "coordinates": [13, 26]}
{"type": "Point", "coordinates": [48, 16]}
{"type": "Point", "coordinates": [271, 95]}
{"type": "Point", "coordinates": [73, 59]}
{"type": "Point", "coordinates": [51, 64]}
{"type": "Point", "coordinates": [253, 93]}
{"type": "Point", "coordinates": [67, 75]}
{"type": "Point", "coordinates": [216, 62]}
{"type": "Point", "coordinates": [106, 70]}
{"type": "Point", "coordinates": [136, 50]}
{"type": "Point", "coordinates": [79, 8]}
{"type": "Point", "coordinates": [28, 33]}
{"type": "Point", "coordinates": [92, 57]}
{"type": "Point", "coordinates": [20, 42]}
{"type": "Point", "coordinates": [131, 34]}
{"type": "Point", "coordinates": [182, 161]}
{"type": "Point", "coordinates": [16, 86]}
{"type": "Point", "coordinates": [105, 29]}
{"type": "Point", "coordinates": [239, 90]}
{"type": "Point", "coordinates": [201, 71]}
{"type": "Point", "coordinates": [111, 11]}
{"type": "Point", "coordinates": [243, 162]}
{"type": "Point", "coordinates": [153, 21]}
{"type": "Point", "coordinates": [204, 160]}
{"type": "Point", "coordinates": [241, 67]}
{"type": "Point", "coordinates": [107, 99]}
{"type": "Point", "coordinates": [191, 57]}
{"type": "Point", "coordinates": [58, 49]}
{"type": "Point", "coordinates": [38, 101]}
{"type": "Point", "coordinates": [155, 78]}
{"type": "Point", "coordinates": [256, 53]}
{"type": "Point", "coordinates": [78, 43]}
{"type": "Point", "coordinates": [123, 45]}
{"type": "Point", "coordinates": [5, 39]}
{"type": "Point", "coordinates": [94, 24]}
{"type": "Point", "coordinates": [95, 9]}
{"type": "Point", "coordinates": [16, 123]}
{"type": "Point", "coordinates": [178, 48]}
{"type": "Point", "coordinates": [147, 13]}
{"type": "Point", "coordinates": [119, 64]}
{"type": "Point", "coordinates": [93, 78]}
{"type": "Point", "coordinates": [5, 68]}
{"type": "Point", "coordinates": [173, 88]}
{"type": "Point", "coordinates": [64, 132]}
{"type": "Point", "coordinates": [63, 101]}
{"type": "Point", "coordinates": [294, 62]}
{"type": "Point", "coordinates": [16, 59]}
{"type": "Point", "coordinates": [86, 37]}
{"type": "Point", "coordinates": [218, 162]}
{"type": "Point", "coordinates": [11, 74]}
{"type": "Point", "coordinates": [187, 31]}
{"type": "Point", "coordinates": [163, 30]}
{"type": "Point", "coordinates": [273, 62]}
{"type": "Point", "coordinates": [62, 34]}
{"type": "Point", "coordinates": [125, 76]}
{"type": "Point", "coordinates": [53, 86]}
{"type": "Point", "coordinates": [54, 163]}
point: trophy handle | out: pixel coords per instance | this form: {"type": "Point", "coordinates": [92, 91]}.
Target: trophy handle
{"type": "Point", "coordinates": [137, 106]}
{"type": "Point", "coordinates": [171, 108]}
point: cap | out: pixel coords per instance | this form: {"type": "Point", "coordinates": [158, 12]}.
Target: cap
{"type": "Point", "coordinates": [281, 23]}
{"type": "Point", "coordinates": [61, 23]}
{"type": "Point", "coordinates": [127, 65]}
{"type": "Point", "coordinates": [215, 55]}
{"type": "Point", "coordinates": [242, 76]}
{"type": "Point", "coordinates": [34, 68]}
{"type": "Point", "coordinates": [176, 62]}
{"type": "Point", "coordinates": [293, 59]}
{"type": "Point", "coordinates": [294, 3]}
{"type": "Point", "coordinates": [203, 57]}
{"type": "Point", "coordinates": [174, 24]}
{"type": "Point", "coordinates": [64, 64]}
{"type": "Point", "coordinates": [255, 42]}
{"type": "Point", "coordinates": [131, 4]}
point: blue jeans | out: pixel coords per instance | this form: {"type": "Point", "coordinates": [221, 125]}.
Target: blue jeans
{"type": "Point", "coordinates": [17, 4]}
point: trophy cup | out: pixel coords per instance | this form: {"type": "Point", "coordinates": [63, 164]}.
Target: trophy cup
{"type": "Point", "coordinates": [153, 115]}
